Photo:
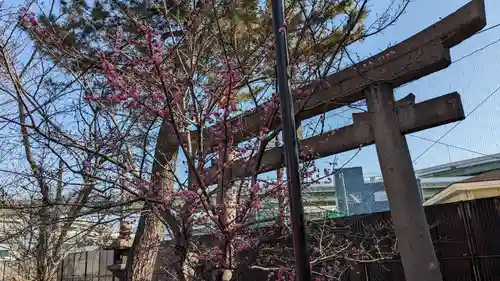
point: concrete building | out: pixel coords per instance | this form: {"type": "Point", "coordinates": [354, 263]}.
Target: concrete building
{"type": "Point", "coordinates": [353, 193]}
{"type": "Point", "coordinates": [464, 168]}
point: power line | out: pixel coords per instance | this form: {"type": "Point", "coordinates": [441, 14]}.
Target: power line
{"type": "Point", "coordinates": [480, 104]}
{"type": "Point", "coordinates": [482, 48]}
{"type": "Point", "coordinates": [457, 147]}
{"type": "Point", "coordinates": [474, 109]}
{"type": "Point", "coordinates": [458, 123]}
{"type": "Point", "coordinates": [476, 51]}
{"type": "Point", "coordinates": [473, 52]}
{"type": "Point", "coordinates": [489, 28]}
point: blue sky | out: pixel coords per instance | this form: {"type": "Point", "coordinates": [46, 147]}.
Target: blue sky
{"type": "Point", "coordinates": [474, 77]}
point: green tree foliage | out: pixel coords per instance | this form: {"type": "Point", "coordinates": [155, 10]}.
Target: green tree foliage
{"type": "Point", "coordinates": [210, 29]}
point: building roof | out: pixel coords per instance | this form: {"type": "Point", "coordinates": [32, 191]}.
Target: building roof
{"type": "Point", "coordinates": [488, 176]}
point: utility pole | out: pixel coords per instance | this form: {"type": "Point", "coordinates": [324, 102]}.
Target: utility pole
{"type": "Point", "coordinates": [302, 265]}
{"type": "Point", "coordinates": [414, 240]}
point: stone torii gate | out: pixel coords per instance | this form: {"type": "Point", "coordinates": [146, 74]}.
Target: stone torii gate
{"type": "Point", "coordinates": [384, 125]}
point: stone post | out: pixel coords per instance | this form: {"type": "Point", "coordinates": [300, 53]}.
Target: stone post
{"type": "Point", "coordinates": [121, 246]}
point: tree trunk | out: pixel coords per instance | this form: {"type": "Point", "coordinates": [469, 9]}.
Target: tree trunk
{"type": "Point", "coordinates": [143, 255]}
{"type": "Point", "coordinates": [46, 274]}
{"type": "Point", "coordinates": [226, 198]}
{"type": "Point", "coordinates": [142, 258]}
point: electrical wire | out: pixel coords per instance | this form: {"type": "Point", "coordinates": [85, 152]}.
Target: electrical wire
{"type": "Point", "coordinates": [473, 52]}
{"type": "Point", "coordinates": [457, 147]}
{"type": "Point", "coordinates": [489, 28]}
{"type": "Point", "coordinates": [480, 104]}
{"type": "Point", "coordinates": [458, 123]}
{"type": "Point", "coordinates": [474, 109]}
{"type": "Point", "coordinates": [476, 51]}
{"type": "Point", "coordinates": [482, 48]}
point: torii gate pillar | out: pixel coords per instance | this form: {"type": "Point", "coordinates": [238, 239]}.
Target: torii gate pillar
{"type": "Point", "coordinates": [410, 225]}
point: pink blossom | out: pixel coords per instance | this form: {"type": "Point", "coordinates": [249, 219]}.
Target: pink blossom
{"type": "Point", "coordinates": [134, 93]}
{"type": "Point", "coordinates": [255, 189]}
{"type": "Point", "coordinates": [159, 96]}
{"type": "Point", "coordinates": [135, 85]}
{"type": "Point", "coordinates": [256, 204]}
{"type": "Point", "coordinates": [119, 36]}
{"type": "Point", "coordinates": [33, 21]}
{"type": "Point", "coordinates": [132, 104]}
{"type": "Point", "coordinates": [162, 112]}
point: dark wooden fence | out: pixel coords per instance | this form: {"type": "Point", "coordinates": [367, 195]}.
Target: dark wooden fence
{"type": "Point", "coordinates": [467, 242]}
{"type": "Point", "coordinates": [466, 235]}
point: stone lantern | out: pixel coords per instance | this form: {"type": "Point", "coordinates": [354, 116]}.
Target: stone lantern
{"type": "Point", "coordinates": [120, 248]}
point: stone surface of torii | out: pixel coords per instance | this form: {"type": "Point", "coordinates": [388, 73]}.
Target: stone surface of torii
{"type": "Point", "coordinates": [412, 118]}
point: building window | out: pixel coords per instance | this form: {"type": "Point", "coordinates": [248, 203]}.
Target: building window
{"type": "Point", "coordinates": [4, 251]}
